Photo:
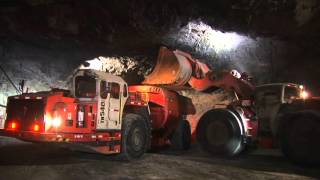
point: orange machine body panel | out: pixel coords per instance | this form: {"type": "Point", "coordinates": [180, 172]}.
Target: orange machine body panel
{"type": "Point", "coordinates": [53, 117]}
{"type": "Point", "coordinates": [167, 109]}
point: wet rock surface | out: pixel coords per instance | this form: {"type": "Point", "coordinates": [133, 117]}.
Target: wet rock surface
{"type": "Point", "coordinates": [19, 160]}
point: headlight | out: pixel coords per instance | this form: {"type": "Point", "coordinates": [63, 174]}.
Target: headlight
{"type": "Point", "coordinates": [56, 122]}
{"type": "Point", "coordinates": [52, 122]}
{"type": "Point", "coordinates": [304, 94]}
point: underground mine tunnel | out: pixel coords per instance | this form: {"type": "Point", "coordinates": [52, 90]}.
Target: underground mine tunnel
{"type": "Point", "coordinates": [144, 89]}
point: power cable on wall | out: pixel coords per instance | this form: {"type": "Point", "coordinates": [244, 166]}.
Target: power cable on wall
{"type": "Point", "coordinates": [8, 78]}
{"type": "Point", "coordinates": [5, 73]}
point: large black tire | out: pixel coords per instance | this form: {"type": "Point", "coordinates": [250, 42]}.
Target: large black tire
{"type": "Point", "coordinates": [299, 139]}
{"type": "Point", "coordinates": [181, 138]}
{"type": "Point", "coordinates": [136, 137]}
{"type": "Point", "coordinates": [219, 133]}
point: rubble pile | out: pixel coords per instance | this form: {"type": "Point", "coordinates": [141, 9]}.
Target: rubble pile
{"type": "Point", "coordinates": [204, 102]}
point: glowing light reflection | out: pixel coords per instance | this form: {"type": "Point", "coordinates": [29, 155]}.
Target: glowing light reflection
{"type": "Point", "coordinates": [205, 39]}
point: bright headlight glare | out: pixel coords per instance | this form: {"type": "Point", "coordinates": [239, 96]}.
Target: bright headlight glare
{"type": "Point", "coordinates": [304, 94]}
{"type": "Point", "coordinates": [55, 122]}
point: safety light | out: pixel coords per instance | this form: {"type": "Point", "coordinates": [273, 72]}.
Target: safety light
{"type": "Point", "coordinates": [13, 125]}
{"type": "Point", "coordinates": [117, 135]}
{"type": "Point", "coordinates": [36, 127]}
{"type": "Point", "coordinates": [301, 87]}
{"type": "Point", "coordinates": [304, 94]}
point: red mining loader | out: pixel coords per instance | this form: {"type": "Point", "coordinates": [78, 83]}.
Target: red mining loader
{"type": "Point", "coordinates": [100, 114]}
{"type": "Point", "coordinates": [225, 130]}
{"type": "Point", "coordinates": [273, 115]}
{"type": "Point", "coordinates": [168, 111]}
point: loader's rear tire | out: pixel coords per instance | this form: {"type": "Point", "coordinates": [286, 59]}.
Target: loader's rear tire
{"type": "Point", "coordinates": [299, 139]}
{"type": "Point", "coordinates": [219, 133]}
{"type": "Point", "coordinates": [136, 137]}
{"type": "Point", "coordinates": [181, 139]}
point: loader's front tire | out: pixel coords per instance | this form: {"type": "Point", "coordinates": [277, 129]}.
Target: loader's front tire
{"type": "Point", "coordinates": [136, 137]}
{"type": "Point", "coordinates": [219, 133]}
{"type": "Point", "coordinates": [181, 139]}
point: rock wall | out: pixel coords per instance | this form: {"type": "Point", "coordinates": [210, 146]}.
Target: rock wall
{"type": "Point", "coordinates": [42, 41]}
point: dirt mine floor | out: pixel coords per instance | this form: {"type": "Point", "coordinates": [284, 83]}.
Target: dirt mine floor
{"type": "Point", "coordinates": [20, 160]}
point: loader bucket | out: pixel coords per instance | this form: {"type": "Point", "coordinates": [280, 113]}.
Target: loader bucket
{"type": "Point", "coordinates": [172, 68]}
{"type": "Point", "coordinates": [176, 69]}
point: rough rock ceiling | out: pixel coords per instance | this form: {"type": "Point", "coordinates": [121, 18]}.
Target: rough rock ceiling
{"type": "Point", "coordinates": [104, 19]}
{"type": "Point", "coordinates": [62, 33]}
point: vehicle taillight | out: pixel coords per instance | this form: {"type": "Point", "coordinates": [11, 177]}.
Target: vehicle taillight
{"type": "Point", "coordinates": [12, 125]}
{"type": "Point", "coordinates": [36, 127]}
{"type": "Point", "coordinates": [118, 135]}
